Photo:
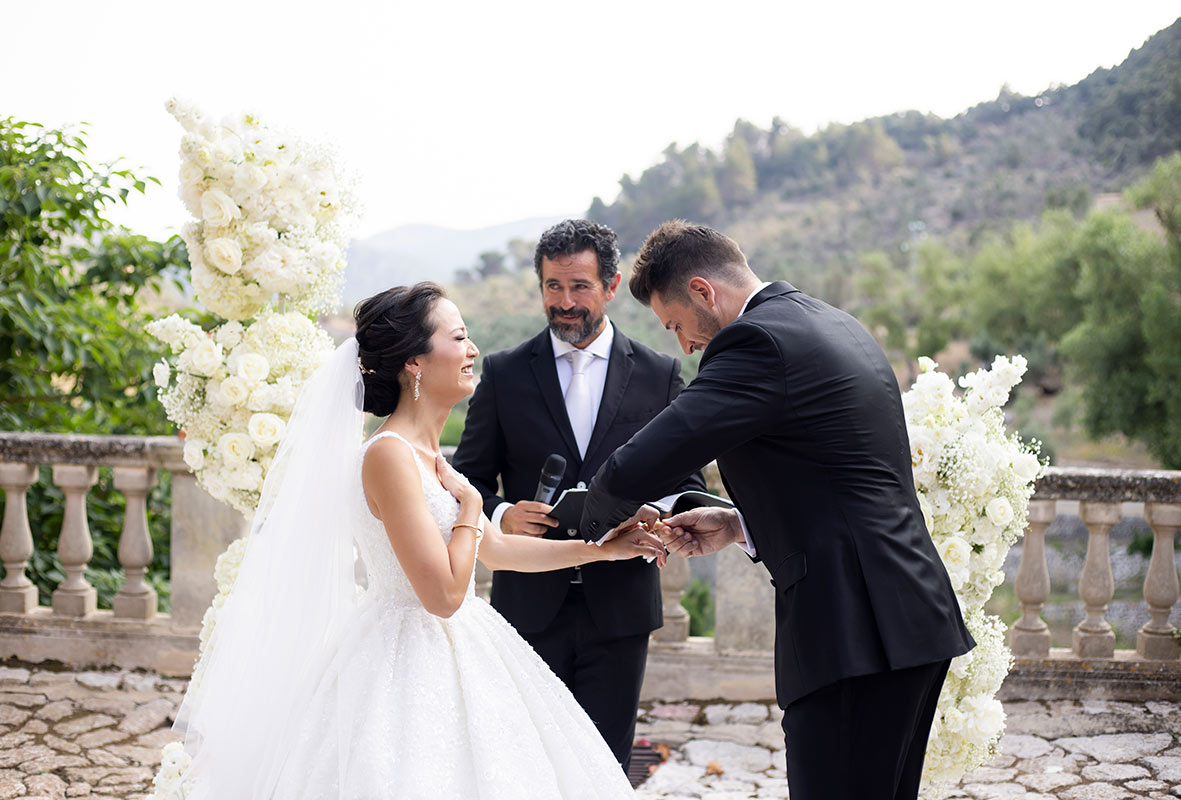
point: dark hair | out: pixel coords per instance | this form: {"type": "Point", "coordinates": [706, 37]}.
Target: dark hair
{"type": "Point", "coordinates": [677, 251]}
{"type": "Point", "coordinates": [572, 236]}
{"type": "Point", "coordinates": [392, 328]}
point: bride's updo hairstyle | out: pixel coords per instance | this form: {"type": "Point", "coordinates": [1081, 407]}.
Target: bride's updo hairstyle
{"type": "Point", "coordinates": [392, 328]}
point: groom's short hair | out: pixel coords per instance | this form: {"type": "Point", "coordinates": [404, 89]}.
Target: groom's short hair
{"type": "Point", "coordinates": [677, 251]}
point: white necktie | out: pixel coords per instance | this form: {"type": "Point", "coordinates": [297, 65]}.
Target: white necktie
{"type": "Point", "coordinates": [578, 399]}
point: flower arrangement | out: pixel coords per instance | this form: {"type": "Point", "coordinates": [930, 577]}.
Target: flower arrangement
{"type": "Point", "coordinates": [233, 392]}
{"type": "Point", "coordinates": [270, 232]}
{"type": "Point", "coordinates": [974, 482]}
{"type": "Point", "coordinates": [272, 216]}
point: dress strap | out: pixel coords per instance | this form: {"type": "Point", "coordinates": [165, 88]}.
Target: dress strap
{"type": "Point", "coordinates": [400, 437]}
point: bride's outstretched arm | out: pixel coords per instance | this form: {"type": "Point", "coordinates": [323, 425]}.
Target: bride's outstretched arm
{"type": "Point", "coordinates": [439, 572]}
{"type": "Point", "coordinates": [532, 554]}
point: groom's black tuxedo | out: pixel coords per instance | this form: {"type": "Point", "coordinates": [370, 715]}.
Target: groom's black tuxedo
{"type": "Point", "coordinates": [802, 411]}
{"type": "Point", "coordinates": [516, 419]}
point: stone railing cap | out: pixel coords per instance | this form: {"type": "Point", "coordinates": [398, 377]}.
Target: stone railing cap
{"type": "Point", "coordinates": [161, 452]}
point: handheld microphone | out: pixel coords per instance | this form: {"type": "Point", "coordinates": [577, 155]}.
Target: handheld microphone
{"type": "Point", "coordinates": [551, 477]}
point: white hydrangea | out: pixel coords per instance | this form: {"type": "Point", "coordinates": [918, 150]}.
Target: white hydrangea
{"type": "Point", "coordinates": [974, 481]}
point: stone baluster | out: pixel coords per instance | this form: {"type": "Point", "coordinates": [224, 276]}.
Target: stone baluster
{"type": "Point", "coordinates": [74, 597]}
{"type": "Point", "coordinates": [745, 598]}
{"type": "Point", "coordinates": [18, 595]}
{"type": "Point", "coordinates": [483, 581]}
{"type": "Point", "coordinates": [136, 600]}
{"type": "Point", "coordinates": [674, 577]}
{"type": "Point", "coordinates": [1093, 637]}
{"type": "Point", "coordinates": [1156, 639]}
{"type": "Point", "coordinates": [1030, 636]}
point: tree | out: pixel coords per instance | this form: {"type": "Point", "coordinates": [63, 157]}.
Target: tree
{"type": "Point", "coordinates": [73, 356]}
{"type": "Point", "coordinates": [491, 263]}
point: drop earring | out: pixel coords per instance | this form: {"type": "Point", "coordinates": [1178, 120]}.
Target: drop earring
{"type": "Point", "coordinates": [417, 385]}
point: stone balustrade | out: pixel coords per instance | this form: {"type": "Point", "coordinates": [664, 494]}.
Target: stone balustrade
{"type": "Point", "coordinates": [736, 663]}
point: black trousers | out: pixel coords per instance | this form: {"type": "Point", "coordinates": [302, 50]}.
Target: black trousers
{"type": "Point", "coordinates": [604, 673]}
{"type": "Point", "coordinates": [863, 738]}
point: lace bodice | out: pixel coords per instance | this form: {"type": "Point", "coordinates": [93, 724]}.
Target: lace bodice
{"type": "Point", "coordinates": [385, 574]}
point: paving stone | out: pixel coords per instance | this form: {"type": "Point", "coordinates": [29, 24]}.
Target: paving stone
{"type": "Point", "coordinates": [15, 739]}
{"type": "Point", "coordinates": [36, 727]}
{"type": "Point", "coordinates": [50, 763]}
{"type": "Point", "coordinates": [1095, 791]}
{"type": "Point", "coordinates": [14, 675]}
{"type": "Point", "coordinates": [73, 727]}
{"type": "Point", "coordinates": [771, 736]}
{"type": "Point", "coordinates": [1048, 781]}
{"type": "Point", "coordinates": [100, 680]}
{"type": "Point", "coordinates": [51, 678]}
{"type": "Point", "coordinates": [107, 703]}
{"type": "Point", "coordinates": [11, 715]}
{"type": "Point", "coordinates": [48, 785]}
{"type": "Point", "coordinates": [1165, 768]}
{"type": "Point", "coordinates": [739, 734]}
{"type": "Point", "coordinates": [78, 790]}
{"type": "Point", "coordinates": [104, 758]}
{"type": "Point", "coordinates": [19, 755]}
{"type": "Point", "coordinates": [990, 775]}
{"type": "Point", "coordinates": [57, 710]}
{"type": "Point", "coordinates": [12, 788]}
{"type": "Point", "coordinates": [127, 775]}
{"type": "Point", "coordinates": [101, 737]}
{"type": "Point", "coordinates": [145, 756]}
{"type": "Point", "coordinates": [994, 791]}
{"type": "Point", "coordinates": [140, 681]}
{"type": "Point", "coordinates": [686, 712]}
{"type": "Point", "coordinates": [148, 717]}
{"type": "Point", "coordinates": [61, 745]}
{"type": "Point", "coordinates": [728, 754]}
{"type": "Point", "coordinates": [1117, 746]}
{"type": "Point", "coordinates": [716, 714]}
{"type": "Point", "coordinates": [1022, 745]}
{"type": "Point", "coordinates": [22, 699]}
{"type": "Point", "coordinates": [748, 713]}
{"type": "Point", "coordinates": [1146, 785]}
{"type": "Point", "coordinates": [1114, 772]}
{"type": "Point", "coordinates": [158, 738]}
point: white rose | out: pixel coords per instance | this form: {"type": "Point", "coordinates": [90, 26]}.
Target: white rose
{"type": "Point", "coordinates": [229, 334]}
{"type": "Point", "coordinates": [236, 448]}
{"type": "Point", "coordinates": [224, 254]}
{"type": "Point", "coordinates": [161, 374]}
{"type": "Point", "coordinates": [204, 358]}
{"type": "Point", "coordinates": [1026, 467]}
{"type": "Point", "coordinates": [265, 429]}
{"type": "Point", "coordinates": [253, 367]}
{"type": "Point", "coordinates": [218, 209]}
{"type": "Point", "coordinates": [194, 454]}
{"type": "Point", "coordinates": [249, 177]}
{"type": "Point", "coordinates": [999, 512]}
{"type": "Point", "coordinates": [234, 390]}
{"type": "Point", "coordinates": [955, 553]}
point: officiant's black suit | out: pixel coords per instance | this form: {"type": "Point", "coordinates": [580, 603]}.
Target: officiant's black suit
{"type": "Point", "coordinates": [593, 634]}
{"type": "Point", "coordinates": [802, 411]}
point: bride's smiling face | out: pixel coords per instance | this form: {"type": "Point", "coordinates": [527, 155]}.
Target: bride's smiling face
{"type": "Point", "coordinates": [448, 369]}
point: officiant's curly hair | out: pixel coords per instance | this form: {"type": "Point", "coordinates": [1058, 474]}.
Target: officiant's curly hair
{"type": "Point", "coordinates": [572, 236]}
{"type": "Point", "coordinates": [392, 328]}
{"type": "Point", "coordinates": [679, 250]}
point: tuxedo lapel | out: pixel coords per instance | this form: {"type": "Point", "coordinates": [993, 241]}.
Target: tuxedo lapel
{"type": "Point", "coordinates": [619, 372]}
{"type": "Point", "coordinates": [546, 374]}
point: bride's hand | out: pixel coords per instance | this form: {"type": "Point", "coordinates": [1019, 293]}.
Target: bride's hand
{"type": "Point", "coordinates": [636, 542]}
{"type": "Point", "coordinates": [455, 483]}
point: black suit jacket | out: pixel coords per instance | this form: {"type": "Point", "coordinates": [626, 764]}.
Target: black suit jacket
{"type": "Point", "coordinates": [802, 411]}
{"type": "Point", "coordinates": [516, 419]}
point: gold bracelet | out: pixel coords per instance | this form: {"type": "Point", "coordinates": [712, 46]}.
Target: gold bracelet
{"type": "Point", "coordinates": [465, 525]}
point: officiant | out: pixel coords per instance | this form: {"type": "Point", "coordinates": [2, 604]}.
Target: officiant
{"type": "Point", "coordinates": [579, 389]}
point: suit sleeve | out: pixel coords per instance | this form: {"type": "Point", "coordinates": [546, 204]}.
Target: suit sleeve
{"type": "Point", "coordinates": [481, 446]}
{"type": "Point", "coordinates": [739, 391]}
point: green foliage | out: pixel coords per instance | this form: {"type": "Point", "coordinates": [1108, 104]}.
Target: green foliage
{"type": "Point", "coordinates": [73, 356]}
{"type": "Point", "coordinates": [1141, 543]}
{"type": "Point", "coordinates": [698, 600]}
{"type": "Point", "coordinates": [73, 353]}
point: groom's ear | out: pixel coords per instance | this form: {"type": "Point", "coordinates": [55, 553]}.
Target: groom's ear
{"type": "Point", "coordinates": [702, 290]}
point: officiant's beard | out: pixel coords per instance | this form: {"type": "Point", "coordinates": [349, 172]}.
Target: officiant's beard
{"type": "Point", "coordinates": [573, 332]}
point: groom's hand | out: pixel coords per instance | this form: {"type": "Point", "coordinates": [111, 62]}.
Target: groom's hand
{"type": "Point", "coordinates": [527, 518]}
{"type": "Point", "coordinates": [700, 531]}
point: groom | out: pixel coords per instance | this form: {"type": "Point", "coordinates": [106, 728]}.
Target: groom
{"type": "Point", "coordinates": [801, 410]}
{"type": "Point", "coordinates": [580, 388]}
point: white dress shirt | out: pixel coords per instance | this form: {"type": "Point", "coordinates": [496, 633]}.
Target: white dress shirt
{"type": "Point", "coordinates": [748, 545]}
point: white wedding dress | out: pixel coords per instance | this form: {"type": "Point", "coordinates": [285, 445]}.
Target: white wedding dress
{"type": "Point", "coordinates": [416, 707]}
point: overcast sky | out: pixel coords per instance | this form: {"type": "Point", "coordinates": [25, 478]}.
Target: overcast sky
{"type": "Point", "coordinates": [470, 114]}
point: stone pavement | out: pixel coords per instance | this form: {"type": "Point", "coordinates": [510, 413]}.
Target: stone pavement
{"type": "Point", "coordinates": [1065, 749]}
{"type": "Point", "coordinates": [99, 734]}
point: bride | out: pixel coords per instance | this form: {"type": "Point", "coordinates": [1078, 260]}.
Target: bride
{"type": "Point", "coordinates": [413, 687]}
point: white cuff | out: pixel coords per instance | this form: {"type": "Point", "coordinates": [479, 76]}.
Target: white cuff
{"type": "Point", "coordinates": [747, 546]}
{"type": "Point", "coordinates": [498, 512]}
